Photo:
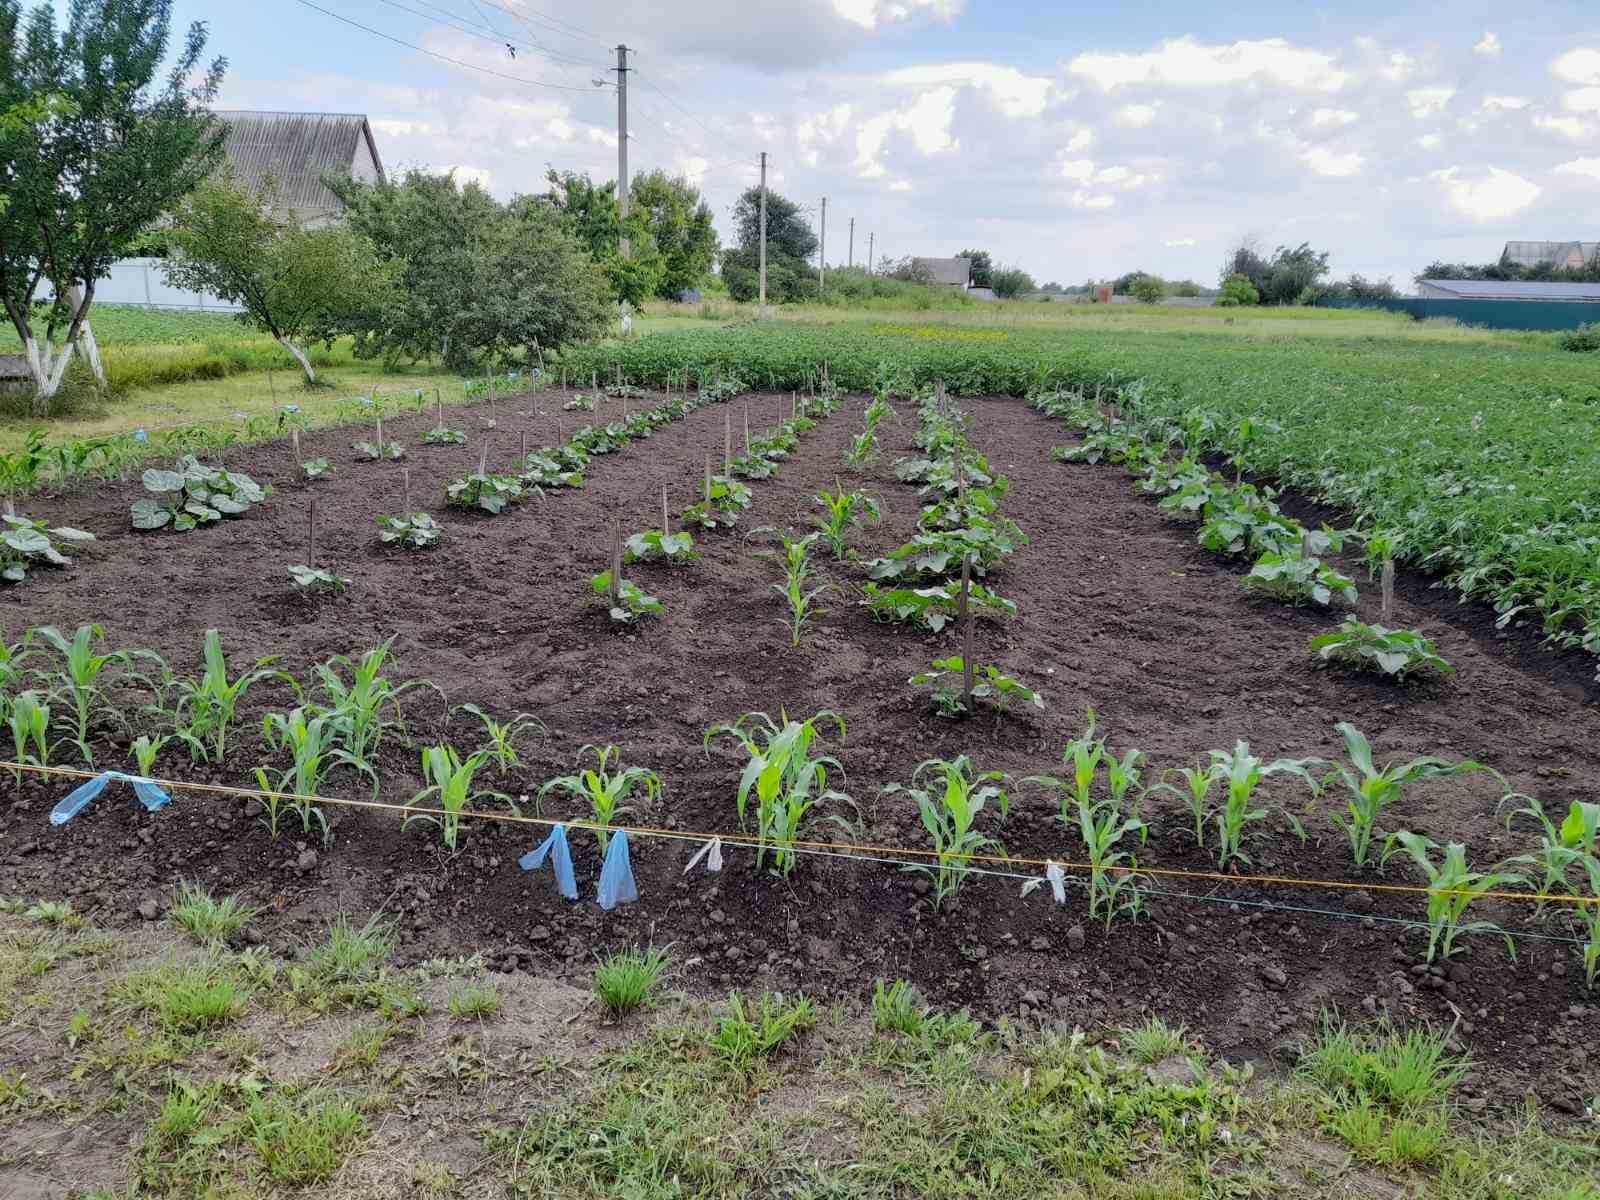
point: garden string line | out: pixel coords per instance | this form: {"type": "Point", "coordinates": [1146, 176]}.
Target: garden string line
{"type": "Point", "coordinates": [859, 852]}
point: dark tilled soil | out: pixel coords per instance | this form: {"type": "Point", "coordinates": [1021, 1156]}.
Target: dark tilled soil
{"type": "Point", "coordinates": [1119, 609]}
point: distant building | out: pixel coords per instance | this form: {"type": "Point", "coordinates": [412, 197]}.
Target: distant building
{"type": "Point", "coordinates": [1496, 289]}
{"type": "Point", "coordinates": [946, 272]}
{"type": "Point", "coordinates": [296, 151]}
{"type": "Point", "coordinates": [1562, 254]}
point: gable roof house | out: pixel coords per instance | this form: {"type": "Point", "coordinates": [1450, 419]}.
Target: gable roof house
{"type": "Point", "coordinates": [1562, 254]}
{"type": "Point", "coordinates": [295, 151]}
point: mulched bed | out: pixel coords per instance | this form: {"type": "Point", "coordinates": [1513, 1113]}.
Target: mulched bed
{"type": "Point", "coordinates": [1119, 609]}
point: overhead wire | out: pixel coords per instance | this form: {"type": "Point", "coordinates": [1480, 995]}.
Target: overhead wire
{"type": "Point", "coordinates": [446, 17]}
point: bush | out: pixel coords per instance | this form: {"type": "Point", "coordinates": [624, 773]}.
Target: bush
{"type": "Point", "coordinates": [1147, 289]}
{"type": "Point", "coordinates": [1583, 338]}
{"type": "Point", "coordinates": [1011, 282]}
{"type": "Point", "coordinates": [1238, 292]}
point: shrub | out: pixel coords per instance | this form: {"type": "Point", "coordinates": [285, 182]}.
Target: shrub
{"type": "Point", "coordinates": [1238, 292]}
{"type": "Point", "coordinates": [1582, 339]}
{"type": "Point", "coordinates": [1147, 289]}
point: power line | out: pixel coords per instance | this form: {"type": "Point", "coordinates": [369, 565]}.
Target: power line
{"type": "Point", "coordinates": [499, 39]}
{"type": "Point", "coordinates": [455, 62]}
{"type": "Point", "coordinates": [673, 101]}
{"type": "Point", "coordinates": [555, 23]}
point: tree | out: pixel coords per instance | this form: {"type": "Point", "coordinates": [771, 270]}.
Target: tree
{"type": "Point", "coordinates": [1011, 282]}
{"type": "Point", "coordinates": [111, 150]}
{"type": "Point", "coordinates": [476, 278]}
{"type": "Point", "coordinates": [681, 224]}
{"type": "Point", "coordinates": [592, 213]}
{"type": "Point", "coordinates": [1148, 289]}
{"type": "Point", "coordinates": [1238, 291]}
{"type": "Point", "coordinates": [1279, 279]}
{"type": "Point", "coordinates": [982, 267]}
{"type": "Point", "coordinates": [301, 286]}
{"type": "Point", "coordinates": [790, 244]}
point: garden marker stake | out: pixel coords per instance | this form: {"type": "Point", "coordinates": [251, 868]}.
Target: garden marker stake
{"type": "Point", "coordinates": [294, 443]}
{"type": "Point", "coordinates": [708, 479]}
{"type": "Point", "coordinates": [483, 459]}
{"type": "Point", "coordinates": [966, 621]}
{"type": "Point", "coordinates": [747, 429]}
{"type": "Point", "coordinates": [405, 496]}
{"type": "Point", "coordinates": [524, 445]}
{"type": "Point", "coordinates": [727, 442]}
{"type": "Point", "coordinates": [1388, 592]}
{"type": "Point", "coordinates": [616, 562]}
{"type": "Point", "coordinates": [380, 436]}
{"type": "Point", "coordinates": [311, 533]}
{"type": "Point", "coordinates": [439, 396]}
{"type": "Point", "coordinates": [666, 527]}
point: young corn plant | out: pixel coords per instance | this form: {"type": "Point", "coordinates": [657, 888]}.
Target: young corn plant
{"type": "Point", "coordinates": [606, 788]}
{"type": "Point", "coordinates": [950, 794]}
{"type": "Point", "coordinates": [1242, 772]}
{"type": "Point", "coordinates": [843, 512]}
{"type": "Point", "coordinates": [1561, 847]}
{"type": "Point", "coordinates": [1589, 915]}
{"type": "Point", "coordinates": [79, 683]}
{"type": "Point", "coordinates": [309, 740]}
{"type": "Point", "coordinates": [787, 781]}
{"type": "Point", "coordinates": [364, 709]}
{"type": "Point", "coordinates": [449, 788]}
{"type": "Point", "coordinates": [1371, 790]}
{"type": "Point", "coordinates": [1452, 888]}
{"type": "Point", "coordinates": [206, 706]}
{"type": "Point", "coordinates": [802, 601]}
{"type": "Point", "coordinates": [143, 751]}
{"type": "Point", "coordinates": [864, 446]}
{"type": "Point", "coordinates": [29, 722]}
{"type": "Point", "coordinates": [1195, 794]}
{"type": "Point", "coordinates": [501, 748]}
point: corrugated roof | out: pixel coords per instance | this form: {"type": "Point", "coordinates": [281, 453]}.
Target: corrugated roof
{"type": "Point", "coordinates": [296, 150]}
{"type": "Point", "coordinates": [1531, 254]}
{"type": "Point", "coordinates": [957, 271]}
{"type": "Point", "coordinates": [1497, 289]}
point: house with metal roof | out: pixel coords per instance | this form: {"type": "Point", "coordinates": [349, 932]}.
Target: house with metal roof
{"type": "Point", "coordinates": [1500, 289]}
{"type": "Point", "coordinates": [296, 151]}
{"type": "Point", "coordinates": [1560, 254]}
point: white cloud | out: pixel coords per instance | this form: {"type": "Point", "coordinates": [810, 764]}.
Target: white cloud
{"type": "Point", "coordinates": [900, 185]}
{"type": "Point", "coordinates": [1429, 141]}
{"type": "Point", "coordinates": [1179, 243]}
{"type": "Point", "coordinates": [1080, 141]}
{"type": "Point", "coordinates": [1429, 101]}
{"type": "Point", "coordinates": [816, 133]}
{"type": "Point", "coordinates": [695, 167]}
{"type": "Point", "coordinates": [1086, 199]}
{"type": "Point", "coordinates": [399, 129]}
{"type": "Point", "coordinates": [1333, 118]}
{"type": "Point", "coordinates": [1578, 66]}
{"type": "Point", "coordinates": [1015, 94]}
{"type": "Point", "coordinates": [1137, 116]}
{"type": "Point", "coordinates": [873, 14]}
{"type": "Point", "coordinates": [1505, 103]}
{"type": "Point", "coordinates": [1331, 162]}
{"type": "Point", "coordinates": [1492, 196]}
{"type": "Point", "coordinates": [1399, 67]}
{"type": "Point", "coordinates": [1488, 46]}
{"type": "Point", "coordinates": [481, 176]}
{"type": "Point", "coordinates": [927, 119]}
{"type": "Point", "coordinates": [1583, 100]}
{"type": "Point", "coordinates": [1186, 62]}
{"type": "Point", "coordinates": [1079, 170]}
{"type": "Point", "coordinates": [1125, 178]}
{"type": "Point", "coordinates": [1567, 127]}
{"type": "Point", "coordinates": [1587, 168]}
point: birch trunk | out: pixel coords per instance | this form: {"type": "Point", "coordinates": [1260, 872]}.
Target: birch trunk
{"type": "Point", "coordinates": [299, 357]}
{"type": "Point", "coordinates": [48, 366]}
{"type": "Point", "coordinates": [86, 344]}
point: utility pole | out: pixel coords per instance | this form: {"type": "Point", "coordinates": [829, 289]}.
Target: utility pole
{"type": "Point", "coordinates": [870, 236]}
{"type": "Point", "coordinates": [763, 233]}
{"type": "Point", "coordinates": [622, 146]}
{"type": "Point", "coordinates": [822, 251]}
{"type": "Point", "coordinates": [851, 261]}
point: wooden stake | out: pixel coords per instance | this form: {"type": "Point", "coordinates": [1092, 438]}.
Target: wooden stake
{"type": "Point", "coordinates": [524, 445]}
{"type": "Point", "coordinates": [1388, 592]}
{"type": "Point", "coordinates": [294, 442]}
{"type": "Point", "coordinates": [380, 437]}
{"type": "Point", "coordinates": [727, 442]}
{"type": "Point", "coordinates": [747, 429]}
{"type": "Point", "coordinates": [439, 396]}
{"type": "Point", "coordinates": [616, 562]}
{"type": "Point", "coordinates": [666, 526]}
{"type": "Point", "coordinates": [311, 533]}
{"type": "Point", "coordinates": [483, 459]}
{"type": "Point", "coordinates": [405, 494]}
{"type": "Point", "coordinates": [966, 622]}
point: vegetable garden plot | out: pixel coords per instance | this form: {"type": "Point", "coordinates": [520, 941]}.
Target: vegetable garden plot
{"type": "Point", "coordinates": [1115, 609]}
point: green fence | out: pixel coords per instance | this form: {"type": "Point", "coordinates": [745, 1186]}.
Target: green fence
{"type": "Point", "coordinates": [1496, 314]}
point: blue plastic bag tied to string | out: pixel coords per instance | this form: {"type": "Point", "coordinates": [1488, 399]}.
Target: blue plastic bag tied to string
{"type": "Point", "coordinates": [560, 854]}
{"type": "Point", "coordinates": [79, 798]}
{"type": "Point", "coordinates": [616, 876]}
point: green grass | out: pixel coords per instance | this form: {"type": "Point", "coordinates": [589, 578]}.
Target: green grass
{"type": "Point", "coordinates": [188, 998]}
{"type": "Point", "coordinates": [1401, 1071]}
{"type": "Point", "coordinates": [206, 918]}
{"type": "Point", "coordinates": [351, 953]}
{"type": "Point", "coordinates": [474, 1002]}
{"type": "Point", "coordinates": [627, 981]}
{"type": "Point", "coordinates": [751, 1033]}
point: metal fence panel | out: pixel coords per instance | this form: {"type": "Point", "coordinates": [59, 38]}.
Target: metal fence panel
{"type": "Point", "coordinates": [1496, 314]}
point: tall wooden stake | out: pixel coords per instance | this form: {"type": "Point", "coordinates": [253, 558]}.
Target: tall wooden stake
{"type": "Point", "coordinates": [666, 527]}
{"type": "Point", "coordinates": [1388, 591]}
{"type": "Point", "coordinates": [405, 485]}
{"type": "Point", "coordinates": [380, 437]}
{"type": "Point", "coordinates": [708, 479]}
{"type": "Point", "coordinates": [311, 533]}
{"type": "Point", "coordinates": [294, 443]}
{"type": "Point", "coordinates": [727, 442]}
{"type": "Point", "coordinates": [966, 624]}
{"type": "Point", "coordinates": [616, 562]}
{"type": "Point", "coordinates": [747, 429]}
{"type": "Point", "coordinates": [439, 396]}
{"type": "Point", "coordinates": [483, 459]}
{"type": "Point", "coordinates": [524, 445]}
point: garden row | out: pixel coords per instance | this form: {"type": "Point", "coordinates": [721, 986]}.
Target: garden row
{"type": "Point", "coordinates": [1474, 460]}
{"type": "Point", "coordinates": [67, 696]}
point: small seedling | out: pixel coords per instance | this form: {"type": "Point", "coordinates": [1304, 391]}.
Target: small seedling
{"type": "Point", "coordinates": [1396, 653]}
{"type": "Point", "coordinates": [629, 604]}
{"type": "Point", "coordinates": [606, 789]}
{"type": "Point", "coordinates": [444, 437]}
{"type": "Point", "coordinates": [501, 746]}
{"type": "Point", "coordinates": [317, 579]}
{"type": "Point", "coordinates": [418, 531]}
{"type": "Point", "coordinates": [949, 796]}
{"type": "Point", "coordinates": [316, 468]}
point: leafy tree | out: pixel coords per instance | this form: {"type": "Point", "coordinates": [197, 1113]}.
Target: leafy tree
{"type": "Point", "coordinates": [593, 214]}
{"type": "Point", "coordinates": [1238, 291]}
{"type": "Point", "coordinates": [1183, 287]}
{"type": "Point", "coordinates": [1148, 289]}
{"type": "Point", "coordinates": [1011, 282]}
{"type": "Point", "coordinates": [300, 285]}
{"type": "Point", "coordinates": [1283, 277]}
{"type": "Point", "coordinates": [982, 267]}
{"type": "Point", "coordinates": [680, 223]}
{"type": "Point", "coordinates": [1505, 269]}
{"type": "Point", "coordinates": [790, 244]}
{"type": "Point", "coordinates": [95, 149]}
{"type": "Point", "coordinates": [1361, 289]}
{"type": "Point", "coordinates": [1122, 285]}
{"type": "Point", "coordinates": [465, 262]}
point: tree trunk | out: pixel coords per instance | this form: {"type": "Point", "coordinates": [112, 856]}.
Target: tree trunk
{"type": "Point", "coordinates": [300, 357]}
{"type": "Point", "coordinates": [87, 346]}
{"type": "Point", "coordinates": [48, 367]}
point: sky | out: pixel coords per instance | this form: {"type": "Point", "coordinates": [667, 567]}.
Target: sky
{"type": "Point", "coordinates": [1075, 141]}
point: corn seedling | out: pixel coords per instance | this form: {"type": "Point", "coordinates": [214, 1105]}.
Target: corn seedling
{"type": "Point", "coordinates": [29, 721]}
{"type": "Point", "coordinates": [366, 708]}
{"type": "Point", "coordinates": [1452, 887]}
{"type": "Point", "coordinates": [796, 560]}
{"type": "Point", "coordinates": [414, 531]}
{"type": "Point", "coordinates": [949, 796]}
{"type": "Point", "coordinates": [78, 683]}
{"type": "Point", "coordinates": [786, 780]}
{"type": "Point", "coordinates": [1589, 916]}
{"type": "Point", "coordinates": [1561, 847]}
{"type": "Point", "coordinates": [449, 788]}
{"type": "Point", "coordinates": [501, 747]}
{"type": "Point", "coordinates": [654, 546]}
{"type": "Point", "coordinates": [316, 468]}
{"type": "Point", "coordinates": [143, 751]}
{"type": "Point", "coordinates": [1296, 578]}
{"type": "Point", "coordinates": [864, 446]}
{"type": "Point", "coordinates": [627, 981]}
{"type": "Point", "coordinates": [1113, 884]}
{"type": "Point", "coordinates": [606, 789]}
{"type": "Point", "coordinates": [844, 510]}
{"type": "Point", "coordinates": [317, 579]}
{"type": "Point", "coordinates": [310, 742]}
{"type": "Point", "coordinates": [948, 681]}
{"type": "Point", "coordinates": [1393, 652]}
{"type": "Point", "coordinates": [206, 706]}
{"type": "Point", "coordinates": [1242, 772]}
{"type": "Point", "coordinates": [1371, 790]}
{"type": "Point", "coordinates": [1195, 794]}
{"type": "Point", "coordinates": [629, 604]}
{"type": "Point", "coordinates": [25, 543]}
